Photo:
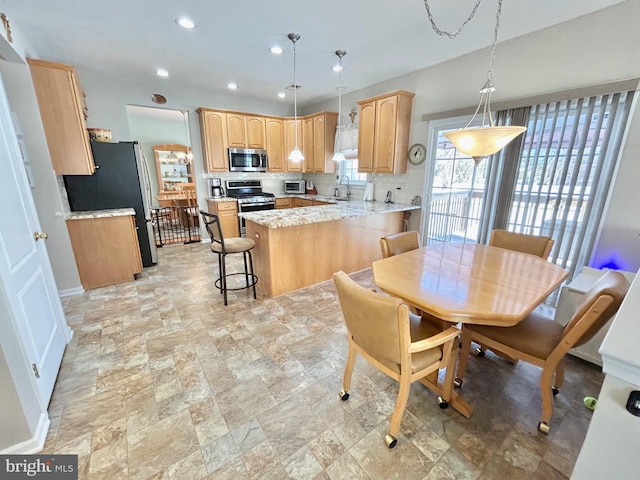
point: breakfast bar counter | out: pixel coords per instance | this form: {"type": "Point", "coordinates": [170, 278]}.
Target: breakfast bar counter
{"type": "Point", "coordinates": [299, 247]}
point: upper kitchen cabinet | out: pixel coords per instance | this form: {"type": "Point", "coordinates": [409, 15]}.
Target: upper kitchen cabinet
{"type": "Point", "coordinates": [319, 133]}
{"type": "Point", "coordinates": [383, 138]}
{"type": "Point", "coordinates": [63, 112]}
{"type": "Point", "coordinates": [274, 129]}
{"type": "Point", "coordinates": [213, 131]}
{"type": "Point", "coordinates": [245, 131]}
{"type": "Point", "coordinates": [291, 127]}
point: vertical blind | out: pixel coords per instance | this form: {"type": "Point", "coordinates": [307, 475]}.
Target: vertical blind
{"type": "Point", "coordinates": [565, 164]}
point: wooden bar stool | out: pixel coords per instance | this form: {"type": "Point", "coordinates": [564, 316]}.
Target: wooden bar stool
{"type": "Point", "coordinates": [223, 247]}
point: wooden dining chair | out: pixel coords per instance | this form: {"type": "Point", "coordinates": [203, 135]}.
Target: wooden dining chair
{"type": "Point", "coordinates": [537, 245]}
{"type": "Point", "coordinates": [402, 242]}
{"type": "Point", "coordinates": [399, 243]}
{"type": "Point", "coordinates": [381, 329]}
{"type": "Point", "coordinates": [544, 342]}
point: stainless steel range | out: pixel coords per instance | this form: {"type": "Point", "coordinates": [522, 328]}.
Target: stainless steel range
{"type": "Point", "coordinates": [250, 197]}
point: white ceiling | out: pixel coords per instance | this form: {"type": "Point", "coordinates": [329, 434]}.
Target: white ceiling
{"type": "Point", "coordinates": [384, 39]}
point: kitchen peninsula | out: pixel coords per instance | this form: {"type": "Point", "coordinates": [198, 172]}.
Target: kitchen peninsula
{"type": "Point", "coordinates": [298, 247]}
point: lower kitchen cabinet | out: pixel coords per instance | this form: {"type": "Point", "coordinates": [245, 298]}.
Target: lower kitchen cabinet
{"type": "Point", "coordinates": [302, 202]}
{"type": "Point", "coordinates": [106, 250]}
{"type": "Point", "coordinates": [227, 211]}
{"type": "Point", "coordinates": [284, 202]}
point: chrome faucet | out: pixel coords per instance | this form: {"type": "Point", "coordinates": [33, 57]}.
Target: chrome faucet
{"type": "Point", "coordinates": [348, 187]}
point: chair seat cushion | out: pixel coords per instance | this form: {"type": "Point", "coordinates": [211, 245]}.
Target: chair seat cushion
{"type": "Point", "coordinates": [536, 335]}
{"type": "Point", "coordinates": [234, 245]}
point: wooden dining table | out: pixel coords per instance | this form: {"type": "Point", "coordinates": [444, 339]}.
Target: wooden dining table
{"type": "Point", "coordinates": [469, 283]}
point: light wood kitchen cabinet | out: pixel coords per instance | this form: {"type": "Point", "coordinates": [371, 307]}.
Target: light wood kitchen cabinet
{"type": "Point", "coordinates": [274, 128]}
{"type": "Point", "coordinates": [320, 202]}
{"type": "Point", "coordinates": [106, 250]}
{"type": "Point", "coordinates": [290, 127]}
{"type": "Point", "coordinates": [302, 202]}
{"type": "Point", "coordinates": [307, 149]}
{"type": "Point", "coordinates": [63, 111]}
{"type": "Point", "coordinates": [383, 137]}
{"type": "Point", "coordinates": [283, 202]}
{"type": "Point", "coordinates": [319, 132]}
{"type": "Point", "coordinates": [213, 131]}
{"type": "Point", "coordinates": [228, 214]}
{"type": "Point", "coordinates": [245, 131]}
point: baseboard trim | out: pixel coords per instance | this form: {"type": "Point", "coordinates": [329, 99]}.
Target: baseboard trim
{"type": "Point", "coordinates": [36, 443]}
{"type": "Point", "coordinates": [70, 291]}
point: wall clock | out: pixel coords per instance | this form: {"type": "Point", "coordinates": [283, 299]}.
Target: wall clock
{"type": "Point", "coordinates": [417, 154]}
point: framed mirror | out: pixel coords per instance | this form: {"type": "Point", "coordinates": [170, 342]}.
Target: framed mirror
{"type": "Point", "coordinates": [173, 166]}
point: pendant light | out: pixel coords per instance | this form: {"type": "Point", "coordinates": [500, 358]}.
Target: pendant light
{"type": "Point", "coordinates": [480, 142]}
{"type": "Point", "coordinates": [296, 154]}
{"type": "Point", "coordinates": [338, 156]}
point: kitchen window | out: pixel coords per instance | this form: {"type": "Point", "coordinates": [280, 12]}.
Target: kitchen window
{"type": "Point", "coordinates": [349, 167]}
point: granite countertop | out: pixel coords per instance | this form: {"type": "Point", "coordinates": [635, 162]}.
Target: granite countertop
{"type": "Point", "coordinates": [222, 199]}
{"type": "Point", "coordinates": [114, 212]}
{"type": "Point", "coordinates": [289, 217]}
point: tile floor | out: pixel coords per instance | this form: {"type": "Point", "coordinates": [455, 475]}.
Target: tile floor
{"type": "Point", "coordinates": [161, 381]}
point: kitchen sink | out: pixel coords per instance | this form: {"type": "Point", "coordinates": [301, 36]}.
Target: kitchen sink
{"type": "Point", "coordinates": [342, 199]}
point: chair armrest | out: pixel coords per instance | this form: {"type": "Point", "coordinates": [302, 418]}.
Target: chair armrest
{"type": "Point", "coordinates": [435, 341]}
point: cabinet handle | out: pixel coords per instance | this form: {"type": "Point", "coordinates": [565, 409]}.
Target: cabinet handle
{"type": "Point", "coordinates": [40, 236]}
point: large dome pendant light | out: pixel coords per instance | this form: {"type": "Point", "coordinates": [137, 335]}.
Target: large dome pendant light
{"type": "Point", "coordinates": [480, 142]}
{"type": "Point", "coordinates": [338, 156]}
{"type": "Point", "coordinates": [296, 154]}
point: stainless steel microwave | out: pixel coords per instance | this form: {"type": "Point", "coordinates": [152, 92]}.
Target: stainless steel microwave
{"type": "Point", "coordinates": [247, 160]}
{"type": "Point", "coordinates": [294, 186]}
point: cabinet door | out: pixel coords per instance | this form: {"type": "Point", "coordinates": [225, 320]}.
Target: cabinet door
{"type": "Point", "coordinates": [236, 130]}
{"type": "Point", "coordinates": [291, 127]}
{"type": "Point", "coordinates": [385, 134]}
{"type": "Point", "coordinates": [255, 132]}
{"type": "Point", "coordinates": [275, 144]}
{"type": "Point", "coordinates": [366, 136]}
{"type": "Point", "coordinates": [324, 135]}
{"type": "Point", "coordinates": [283, 202]}
{"type": "Point", "coordinates": [62, 109]}
{"type": "Point", "coordinates": [213, 130]}
{"type": "Point", "coordinates": [302, 202]}
{"type": "Point", "coordinates": [309, 145]}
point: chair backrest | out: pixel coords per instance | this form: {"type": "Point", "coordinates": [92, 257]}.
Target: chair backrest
{"type": "Point", "coordinates": [212, 223]}
{"type": "Point", "coordinates": [521, 242]}
{"type": "Point", "coordinates": [599, 304]}
{"type": "Point", "coordinates": [399, 243]}
{"type": "Point", "coordinates": [373, 320]}
{"type": "Point", "coordinates": [190, 194]}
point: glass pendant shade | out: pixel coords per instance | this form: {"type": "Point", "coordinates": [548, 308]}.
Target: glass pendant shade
{"type": "Point", "coordinates": [296, 155]}
{"type": "Point", "coordinates": [338, 156]}
{"type": "Point", "coordinates": [483, 141]}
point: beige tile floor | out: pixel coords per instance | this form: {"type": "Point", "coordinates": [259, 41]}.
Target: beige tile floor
{"type": "Point", "coordinates": [161, 381]}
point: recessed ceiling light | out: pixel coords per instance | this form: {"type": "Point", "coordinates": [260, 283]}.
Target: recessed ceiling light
{"type": "Point", "coordinates": [276, 50]}
{"type": "Point", "coordinates": [186, 22]}
{"type": "Point", "coordinates": [336, 68]}
{"type": "Point", "coordinates": [282, 94]}
{"type": "Point", "coordinates": [232, 86]}
{"type": "Point", "coordinates": [161, 72]}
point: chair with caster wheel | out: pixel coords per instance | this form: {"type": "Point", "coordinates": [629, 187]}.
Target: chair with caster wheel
{"type": "Point", "coordinates": [402, 242]}
{"type": "Point", "coordinates": [225, 246]}
{"type": "Point", "coordinates": [537, 245]}
{"type": "Point", "coordinates": [544, 342]}
{"type": "Point", "coordinates": [382, 330]}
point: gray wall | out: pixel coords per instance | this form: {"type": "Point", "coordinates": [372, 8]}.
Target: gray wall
{"type": "Point", "coordinates": [593, 49]}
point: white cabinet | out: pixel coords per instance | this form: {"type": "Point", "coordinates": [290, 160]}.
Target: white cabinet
{"type": "Point", "coordinates": [570, 297]}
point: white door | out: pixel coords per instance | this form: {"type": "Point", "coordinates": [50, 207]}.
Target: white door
{"type": "Point", "coordinates": [26, 278]}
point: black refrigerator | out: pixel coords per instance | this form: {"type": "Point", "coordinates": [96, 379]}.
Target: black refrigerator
{"type": "Point", "coordinates": [121, 180]}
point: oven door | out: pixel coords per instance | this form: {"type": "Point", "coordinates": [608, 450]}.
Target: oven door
{"type": "Point", "coordinates": [252, 207]}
